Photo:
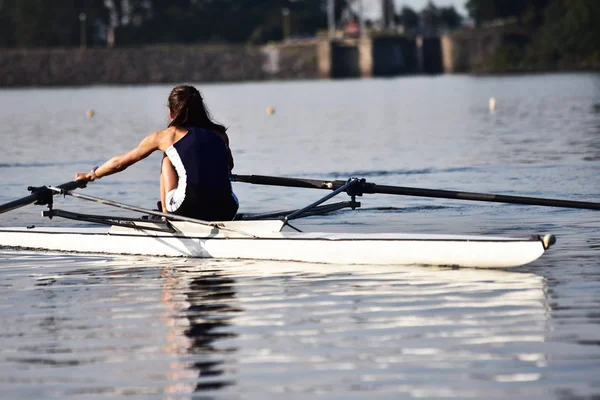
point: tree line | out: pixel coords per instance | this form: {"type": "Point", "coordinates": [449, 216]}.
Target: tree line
{"type": "Point", "coordinates": [41, 23]}
{"type": "Point", "coordinates": [560, 33]}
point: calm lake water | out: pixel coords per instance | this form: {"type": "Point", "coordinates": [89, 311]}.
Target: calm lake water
{"type": "Point", "coordinates": [95, 327]}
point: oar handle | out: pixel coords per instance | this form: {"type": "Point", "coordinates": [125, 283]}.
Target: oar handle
{"type": "Point", "coordinates": [38, 193]}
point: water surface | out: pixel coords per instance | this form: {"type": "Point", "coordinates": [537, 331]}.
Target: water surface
{"type": "Point", "coordinates": [90, 326]}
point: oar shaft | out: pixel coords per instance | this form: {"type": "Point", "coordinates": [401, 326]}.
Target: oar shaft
{"type": "Point", "coordinates": [495, 198]}
{"type": "Point", "coordinates": [173, 217]}
{"type": "Point", "coordinates": [32, 198]}
{"type": "Point", "coordinates": [13, 205]}
{"type": "Point", "coordinates": [287, 182]}
{"type": "Point", "coordinates": [418, 192]}
{"type": "Point", "coordinates": [137, 209]}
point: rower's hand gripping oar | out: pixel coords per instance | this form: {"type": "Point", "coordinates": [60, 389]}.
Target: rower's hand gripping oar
{"type": "Point", "coordinates": [360, 186]}
{"type": "Point", "coordinates": [41, 195]}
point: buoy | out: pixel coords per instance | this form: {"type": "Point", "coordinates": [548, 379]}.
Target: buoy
{"type": "Point", "coordinates": [89, 113]}
{"type": "Point", "coordinates": [492, 104]}
{"type": "Point", "coordinates": [270, 110]}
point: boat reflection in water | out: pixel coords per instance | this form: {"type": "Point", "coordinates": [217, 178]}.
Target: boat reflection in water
{"type": "Point", "coordinates": [170, 327]}
{"type": "Point", "coordinates": [298, 327]}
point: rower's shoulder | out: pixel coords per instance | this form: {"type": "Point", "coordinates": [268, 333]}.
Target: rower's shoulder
{"type": "Point", "coordinates": [165, 137]}
{"type": "Point", "coordinates": [169, 132]}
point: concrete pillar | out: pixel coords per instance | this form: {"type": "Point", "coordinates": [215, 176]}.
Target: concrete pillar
{"type": "Point", "coordinates": [324, 58]}
{"type": "Point", "coordinates": [455, 53]}
{"type": "Point", "coordinates": [365, 56]}
{"type": "Point", "coordinates": [447, 54]}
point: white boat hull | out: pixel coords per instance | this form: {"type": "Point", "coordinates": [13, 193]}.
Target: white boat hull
{"type": "Point", "coordinates": [369, 249]}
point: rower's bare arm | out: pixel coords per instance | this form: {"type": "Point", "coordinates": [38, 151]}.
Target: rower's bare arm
{"type": "Point", "coordinates": [121, 162]}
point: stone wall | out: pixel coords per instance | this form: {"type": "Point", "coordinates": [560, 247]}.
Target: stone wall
{"type": "Point", "coordinates": [74, 67]}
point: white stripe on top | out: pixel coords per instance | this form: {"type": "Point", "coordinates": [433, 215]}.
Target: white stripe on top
{"type": "Point", "coordinates": [177, 196]}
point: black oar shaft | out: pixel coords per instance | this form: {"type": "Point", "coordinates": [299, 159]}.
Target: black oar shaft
{"type": "Point", "coordinates": [287, 182]}
{"type": "Point", "coordinates": [496, 198]}
{"type": "Point", "coordinates": [408, 191]}
{"type": "Point", "coordinates": [32, 198]}
{"type": "Point", "coordinates": [35, 196]}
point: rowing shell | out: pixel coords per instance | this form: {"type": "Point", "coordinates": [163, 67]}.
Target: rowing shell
{"type": "Point", "coordinates": [263, 240]}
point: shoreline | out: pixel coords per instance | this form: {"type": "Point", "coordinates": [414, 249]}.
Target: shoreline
{"type": "Point", "coordinates": [215, 64]}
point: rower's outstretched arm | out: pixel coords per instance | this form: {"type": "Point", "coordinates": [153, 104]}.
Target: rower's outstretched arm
{"type": "Point", "coordinates": [118, 163]}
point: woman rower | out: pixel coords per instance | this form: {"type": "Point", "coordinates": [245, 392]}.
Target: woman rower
{"type": "Point", "coordinates": [194, 179]}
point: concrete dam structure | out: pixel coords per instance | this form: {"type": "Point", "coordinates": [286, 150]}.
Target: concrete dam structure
{"type": "Point", "coordinates": [381, 56]}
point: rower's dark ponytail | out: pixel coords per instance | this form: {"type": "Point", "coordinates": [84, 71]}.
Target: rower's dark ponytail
{"type": "Point", "coordinates": [188, 109]}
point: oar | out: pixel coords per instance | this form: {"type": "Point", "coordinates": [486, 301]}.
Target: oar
{"type": "Point", "coordinates": [174, 217]}
{"type": "Point", "coordinates": [39, 194]}
{"type": "Point", "coordinates": [366, 187]}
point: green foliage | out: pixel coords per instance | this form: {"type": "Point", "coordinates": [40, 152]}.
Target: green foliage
{"type": "Point", "coordinates": [409, 18]}
{"type": "Point", "coordinates": [450, 18]}
{"type": "Point", "coordinates": [6, 23]}
{"type": "Point", "coordinates": [527, 11]}
{"type": "Point", "coordinates": [29, 23]}
{"type": "Point", "coordinates": [564, 33]}
{"type": "Point", "coordinates": [508, 58]}
{"type": "Point", "coordinates": [431, 17]}
{"type": "Point", "coordinates": [42, 23]}
{"type": "Point", "coordinates": [45, 23]}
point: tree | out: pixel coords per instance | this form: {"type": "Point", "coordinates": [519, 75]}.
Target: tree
{"type": "Point", "coordinates": [481, 10]}
{"type": "Point", "coordinates": [440, 18]}
{"type": "Point", "coordinates": [7, 38]}
{"type": "Point", "coordinates": [232, 21]}
{"type": "Point", "coordinates": [408, 18]}
{"type": "Point", "coordinates": [570, 33]}
{"type": "Point", "coordinates": [449, 17]}
{"type": "Point", "coordinates": [39, 23]}
{"type": "Point", "coordinates": [389, 12]}
{"type": "Point", "coordinates": [532, 15]}
{"type": "Point", "coordinates": [29, 23]}
{"type": "Point", "coordinates": [430, 16]}
{"type": "Point", "coordinates": [528, 12]}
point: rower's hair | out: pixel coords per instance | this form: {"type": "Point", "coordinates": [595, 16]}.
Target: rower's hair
{"type": "Point", "coordinates": [188, 109]}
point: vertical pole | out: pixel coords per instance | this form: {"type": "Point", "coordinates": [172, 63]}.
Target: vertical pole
{"type": "Point", "coordinates": [285, 12]}
{"type": "Point", "coordinates": [361, 17]}
{"type": "Point", "coordinates": [388, 12]}
{"type": "Point", "coordinates": [82, 31]}
{"type": "Point", "coordinates": [110, 37]}
{"type": "Point", "coordinates": [331, 18]}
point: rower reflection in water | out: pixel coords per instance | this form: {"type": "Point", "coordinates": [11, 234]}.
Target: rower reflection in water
{"type": "Point", "coordinates": [197, 162]}
{"type": "Point", "coordinates": [201, 305]}
{"type": "Point", "coordinates": [210, 312]}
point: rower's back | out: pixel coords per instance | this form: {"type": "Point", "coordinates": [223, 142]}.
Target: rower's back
{"type": "Point", "coordinates": [201, 160]}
